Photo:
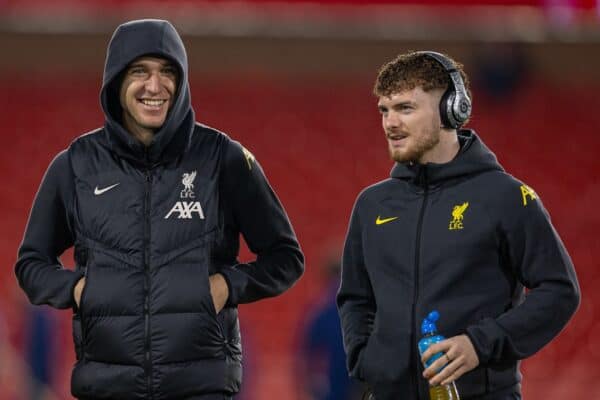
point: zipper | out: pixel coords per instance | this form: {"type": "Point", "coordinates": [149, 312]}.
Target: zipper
{"type": "Point", "coordinates": [147, 350]}
{"type": "Point", "coordinates": [422, 179]}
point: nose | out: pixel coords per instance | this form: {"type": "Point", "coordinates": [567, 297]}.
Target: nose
{"type": "Point", "coordinates": [153, 83]}
{"type": "Point", "coordinates": [391, 120]}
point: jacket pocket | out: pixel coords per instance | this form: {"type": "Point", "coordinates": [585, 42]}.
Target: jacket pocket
{"type": "Point", "coordinates": [82, 306]}
{"type": "Point", "coordinates": [210, 305]}
{"type": "Point", "coordinates": [385, 358]}
{"type": "Point", "coordinates": [77, 339]}
{"type": "Point", "coordinates": [82, 258]}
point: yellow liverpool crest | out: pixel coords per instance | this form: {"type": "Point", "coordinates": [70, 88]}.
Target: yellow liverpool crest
{"type": "Point", "coordinates": [457, 216]}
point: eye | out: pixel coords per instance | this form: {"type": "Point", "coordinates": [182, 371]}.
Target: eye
{"type": "Point", "coordinates": [136, 70]}
{"type": "Point", "coordinates": [170, 71]}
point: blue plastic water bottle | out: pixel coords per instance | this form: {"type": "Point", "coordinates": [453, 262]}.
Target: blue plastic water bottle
{"type": "Point", "coordinates": [430, 336]}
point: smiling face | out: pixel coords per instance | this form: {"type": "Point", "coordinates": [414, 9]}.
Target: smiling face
{"type": "Point", "coordinates": [411, 123]}
{"type": "Point", "coordinates": [147, 93]}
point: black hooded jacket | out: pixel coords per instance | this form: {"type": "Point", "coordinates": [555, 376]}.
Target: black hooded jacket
{"type": "Point", "coordinates": [149, 226]}
{"type": "Point", "coordinates": [463, 238]}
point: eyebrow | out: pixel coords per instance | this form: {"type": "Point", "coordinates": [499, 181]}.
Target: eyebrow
{"type": "Point", "coordinates": [399, 104]}
{"type": "Point", "coordinates": [167, 64]}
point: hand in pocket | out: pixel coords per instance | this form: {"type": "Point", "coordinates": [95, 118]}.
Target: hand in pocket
{"type": "Point", "coordinates": [78, 290]}
{"type": "Point", "coordinates": [219, 291]}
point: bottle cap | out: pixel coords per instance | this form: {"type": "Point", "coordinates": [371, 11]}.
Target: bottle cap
{"type": "Point", "coordinates": [428, 325]}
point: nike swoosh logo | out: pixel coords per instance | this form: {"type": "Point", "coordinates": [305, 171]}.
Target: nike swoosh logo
{"type": "Point", "coordinates": [380, 221]}
{"type": "Point", "coordinates": [106, 189]}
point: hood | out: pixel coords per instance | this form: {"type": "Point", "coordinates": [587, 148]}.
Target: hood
{"type": "Point", "coordinates": [130, 41]}
{"type": "Point", "coordinates": [473, 157]}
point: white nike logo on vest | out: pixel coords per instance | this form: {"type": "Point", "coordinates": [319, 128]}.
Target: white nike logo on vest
{"type": "Point", "coordinates": [106, 189]}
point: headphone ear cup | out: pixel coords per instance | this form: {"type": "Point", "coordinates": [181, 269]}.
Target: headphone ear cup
{"type": "Point", "coordinates": [446, 114]}
{"type": "Point", "coordinates": [462, 111]}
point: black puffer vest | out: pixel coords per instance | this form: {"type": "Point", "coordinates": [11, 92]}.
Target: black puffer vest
{"type": "Point", "coordinates": [147, 327]}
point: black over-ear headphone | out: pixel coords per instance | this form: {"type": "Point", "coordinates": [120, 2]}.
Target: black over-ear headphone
{"type": "Point", "coordinates": [455, 106]}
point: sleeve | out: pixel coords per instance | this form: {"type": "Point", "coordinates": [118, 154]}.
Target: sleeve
{"type": "Point", "coordinates": [538, 258]}
{"type": "Point", "coordinates": [47, 236]}
{"type": "Point", "coordinates": [262, 221]}
{"type": "Point", "coordinates": [355, 299]}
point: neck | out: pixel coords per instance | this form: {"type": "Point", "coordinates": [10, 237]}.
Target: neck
{"type": "Point", "coordinates": [446, 149]}
{"type": "Point", "coordinates": [144, 135]}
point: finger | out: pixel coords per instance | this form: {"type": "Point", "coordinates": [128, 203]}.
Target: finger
{"type": "Point", "coordinates": [456, 374]}
{"type": "Point", "coordinates": [436, 366]}
{"type": "Point", "coordinates": [440, 347]}
{"type": "Point", "coordinates": [448, 371]}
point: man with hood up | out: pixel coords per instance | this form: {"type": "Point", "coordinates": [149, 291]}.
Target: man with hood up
{"type": "Point", "coordinates": [449, 231]}
{"type": "Point", "coordinates": [154, 203]}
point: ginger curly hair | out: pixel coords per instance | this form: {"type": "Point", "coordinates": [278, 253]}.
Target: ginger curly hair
{"type": "Point", "coordinates": [414, 69]}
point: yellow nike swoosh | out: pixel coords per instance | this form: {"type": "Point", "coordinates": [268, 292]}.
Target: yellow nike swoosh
{"type": "Point", "coordinates": [380, 221]}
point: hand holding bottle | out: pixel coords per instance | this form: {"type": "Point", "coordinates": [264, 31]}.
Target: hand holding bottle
{"type": "Point", "coordinates": [459, 357]}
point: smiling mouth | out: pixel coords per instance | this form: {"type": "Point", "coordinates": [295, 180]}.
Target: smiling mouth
{"type": "Point", "coordinates": [395, 136]}
{"type": "Point", "coordinates": [152, 102]}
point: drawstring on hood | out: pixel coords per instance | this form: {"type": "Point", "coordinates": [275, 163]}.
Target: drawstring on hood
{"type": "Point", "coordinates": [131, 40]}
{"type": "Point", "coordinates": [474, 157]}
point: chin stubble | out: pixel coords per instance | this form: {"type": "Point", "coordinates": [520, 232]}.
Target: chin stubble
{"type": "Point", "coordinates": [422, 145]}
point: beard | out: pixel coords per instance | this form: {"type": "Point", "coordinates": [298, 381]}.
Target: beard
{"type": "Point", "coordinates": [420, 144]}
